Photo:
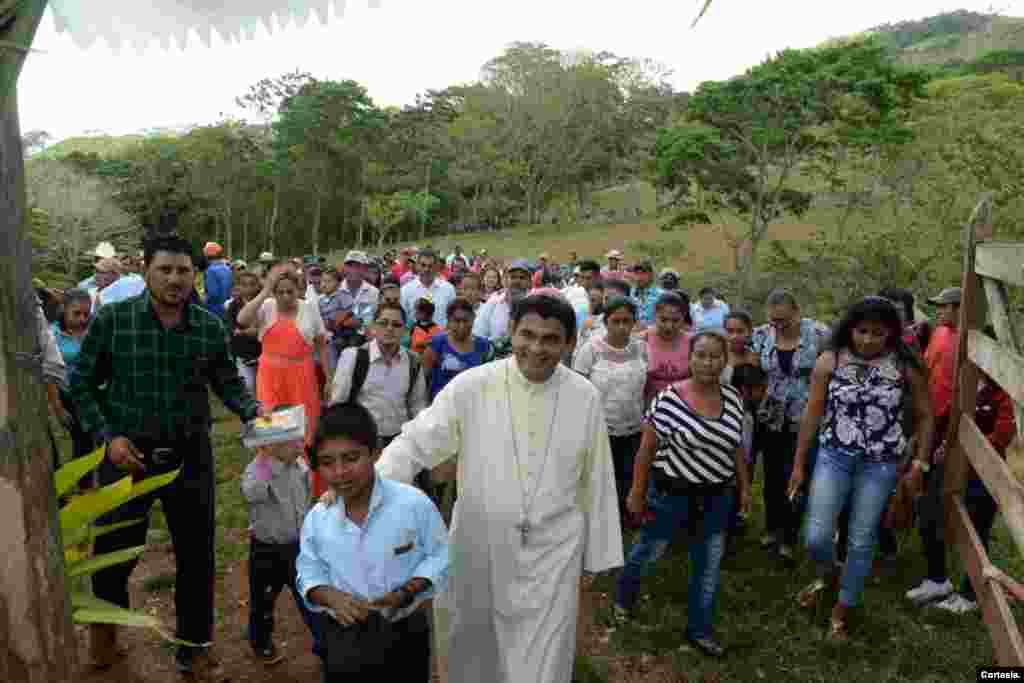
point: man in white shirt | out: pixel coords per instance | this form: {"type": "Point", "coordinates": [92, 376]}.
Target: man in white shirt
{"type": "Point", "coordinates": [108, 271]}
{"type": "Point", "coordinates": [428, 286]}
{"type": "Point", "coordinates": [393, 389]}
{"type": "Point", "coordinates": [492, 320]}
{"type": "Point", "coordinates": [709, 311]}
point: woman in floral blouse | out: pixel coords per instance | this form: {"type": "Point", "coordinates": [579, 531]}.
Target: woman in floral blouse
{"type": "Point", "coordinates": [865, 387]}
{"type": "Point", "coordinates": [788, 347]}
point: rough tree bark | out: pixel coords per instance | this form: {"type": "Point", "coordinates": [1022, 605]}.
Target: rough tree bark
{"type": "Point", "coordinates": [36, 636]}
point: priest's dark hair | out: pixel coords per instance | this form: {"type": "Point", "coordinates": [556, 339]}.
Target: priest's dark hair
{"type": "Point", "coordinates": [547, 307]}
{"type": "Point", "coordinates": [349, 420]}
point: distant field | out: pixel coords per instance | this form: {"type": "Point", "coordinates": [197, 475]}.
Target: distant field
{"type": "Point", "coordinates": [694, 251]}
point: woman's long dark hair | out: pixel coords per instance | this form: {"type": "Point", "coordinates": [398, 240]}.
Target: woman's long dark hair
{"type": "Point", "coordinates": [875, 309]}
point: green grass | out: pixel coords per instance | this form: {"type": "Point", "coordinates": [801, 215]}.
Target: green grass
{"type": "Point", "coordinates": [769, 638]}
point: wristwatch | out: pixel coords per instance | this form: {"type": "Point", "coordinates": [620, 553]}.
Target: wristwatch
{"type": "Point", "coordinates": [925, 466]}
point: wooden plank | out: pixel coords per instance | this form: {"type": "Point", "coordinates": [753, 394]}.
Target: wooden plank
{"type": "Point", "coordinates": [1002, 627]}
{"type": "Point", "coordinates": [1002, 261]}
{"type": "Point", "coordinates": [1006, 367]}
{"type": "Point", "coordinates": [999, 312]}
{"type": "Point", "coordinates": [997, 477]}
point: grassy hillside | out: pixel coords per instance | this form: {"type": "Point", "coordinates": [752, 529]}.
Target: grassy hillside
{"type": "Point", "coordinates": [103, 145]}
{"type": "Point", "coordinates": [952, 38]}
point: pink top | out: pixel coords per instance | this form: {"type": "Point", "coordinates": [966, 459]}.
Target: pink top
{"type": "Point", "coordinates": [665, 366]}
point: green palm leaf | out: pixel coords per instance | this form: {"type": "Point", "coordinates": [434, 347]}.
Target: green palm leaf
{"type": "Point", "coordinates": [67, 476]}
{"type": "Point", "coordinates": [95, 564]}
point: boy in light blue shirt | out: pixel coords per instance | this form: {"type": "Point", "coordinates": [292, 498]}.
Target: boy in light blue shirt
{"type": "Point", "coordinates": [371, 553]}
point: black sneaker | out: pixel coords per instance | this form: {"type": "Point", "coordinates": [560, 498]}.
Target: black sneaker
{"type": "Point", "coordinates": [708, 646]}
{"type": "Point", "coordinates": [199, 663]}
{"type": "Point", "coordinates": [184, 659]}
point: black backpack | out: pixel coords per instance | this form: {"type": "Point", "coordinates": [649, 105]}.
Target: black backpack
{"type": "Point", "coordinates": [362, 369]}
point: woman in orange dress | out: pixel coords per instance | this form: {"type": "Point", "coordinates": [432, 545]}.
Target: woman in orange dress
{"type": "Point", "coordinates": [289, 329]}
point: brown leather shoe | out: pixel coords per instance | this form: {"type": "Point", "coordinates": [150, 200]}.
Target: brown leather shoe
{"type": "Point", "coordinates": [103, 650]}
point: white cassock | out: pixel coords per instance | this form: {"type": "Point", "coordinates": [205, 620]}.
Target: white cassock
{"type": "Point", "coordinates": [513, 606]}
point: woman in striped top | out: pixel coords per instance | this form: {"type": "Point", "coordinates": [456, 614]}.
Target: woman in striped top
{"type": "Point", "coordinates": [692, 439]}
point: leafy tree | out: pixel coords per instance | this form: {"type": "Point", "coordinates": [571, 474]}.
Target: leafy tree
{"type": "Point", "coordinates": [322, 135]}
{"type": "Point", "coordinates": [80, 213]}
{"type": "Point", "coordinates": [745, 141]}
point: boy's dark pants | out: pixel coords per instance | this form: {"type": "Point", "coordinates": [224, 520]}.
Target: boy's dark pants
{"type": "Point", "coordinates": [377, 650]}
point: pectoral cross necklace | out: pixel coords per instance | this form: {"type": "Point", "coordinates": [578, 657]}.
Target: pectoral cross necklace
{"type": "Point", "coordinates": [524, 527]}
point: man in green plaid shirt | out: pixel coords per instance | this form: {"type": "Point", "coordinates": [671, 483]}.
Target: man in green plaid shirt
{"type": "Point", "coordinates": [141, 388]}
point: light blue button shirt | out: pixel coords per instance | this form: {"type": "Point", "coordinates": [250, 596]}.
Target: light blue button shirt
{"type": "Point", "coordinates": [402, 538]}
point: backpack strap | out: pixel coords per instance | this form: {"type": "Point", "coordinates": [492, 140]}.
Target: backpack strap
{"type": "Point", "coordinates": [359, 372]}
{"type": "Point", "coordinates": [414, 373]}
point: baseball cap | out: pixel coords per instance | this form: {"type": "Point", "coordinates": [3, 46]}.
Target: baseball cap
{"type": "Point", "coordinates": [239, 263]}
{"type": "Point", "coordinates": [357, 257]}
{"type": "Point", "coordinates": [950, 295]}
{"type": "Point", "coordinates": [212, 249]}
{"type": "Point", "coordinates": [521, 264]}
{"type": "Point", "coordinates": [266, 256]}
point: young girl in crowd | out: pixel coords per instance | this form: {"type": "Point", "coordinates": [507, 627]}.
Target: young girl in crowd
{"type": "Point", "coordinates": [860, 386]}
{"type": "Point", "coordinates": [616, 364]}
{"type": "Point", "coordinates": [668, 349]}
{"type": "Point", "coordinates": [739, 327]}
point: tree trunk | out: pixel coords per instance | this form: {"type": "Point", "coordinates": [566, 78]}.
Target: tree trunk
{"type": "Point", "coordinates": [271, 229]}
{"type": "Point", "coordinates": [423, 216]}
{"type": "Point", "coordinates": [316, 224]}
{"type": "Point", "coordinates": [245, 237]}
{"type": "Point", "coordinates": [36, 635]}
{"type": "Point", "coordinates": [227, 229]}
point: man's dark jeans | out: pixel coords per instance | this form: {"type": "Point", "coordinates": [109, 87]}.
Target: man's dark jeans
{"type": "Point", "coordinates": [188, 506]}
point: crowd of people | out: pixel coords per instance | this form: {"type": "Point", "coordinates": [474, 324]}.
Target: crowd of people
{"type": "Point", "coordinates": [420, 373]}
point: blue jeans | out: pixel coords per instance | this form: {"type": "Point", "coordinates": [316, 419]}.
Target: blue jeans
{"type": "Point", "coordinates": [706, 551]}
{"type": "Point", "coordinates": [840, 476]}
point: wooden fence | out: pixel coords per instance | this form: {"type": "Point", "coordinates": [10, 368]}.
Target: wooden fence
{"type": "Point", "coordinates": [988, 268]}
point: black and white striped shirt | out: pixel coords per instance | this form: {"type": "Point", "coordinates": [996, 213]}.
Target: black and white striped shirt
{"type": "Point", "coordinates": [694, 448]}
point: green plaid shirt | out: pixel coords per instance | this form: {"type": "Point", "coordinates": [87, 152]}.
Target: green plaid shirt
{"type": "Point", "coordinates": [137, 379]}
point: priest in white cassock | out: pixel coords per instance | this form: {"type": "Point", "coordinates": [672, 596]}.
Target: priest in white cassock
{"type": "Point", "coordinates": [536, 500]}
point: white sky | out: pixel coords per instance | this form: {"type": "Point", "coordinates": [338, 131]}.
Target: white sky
{"type": "Point", "coordinates": [407, 46]}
